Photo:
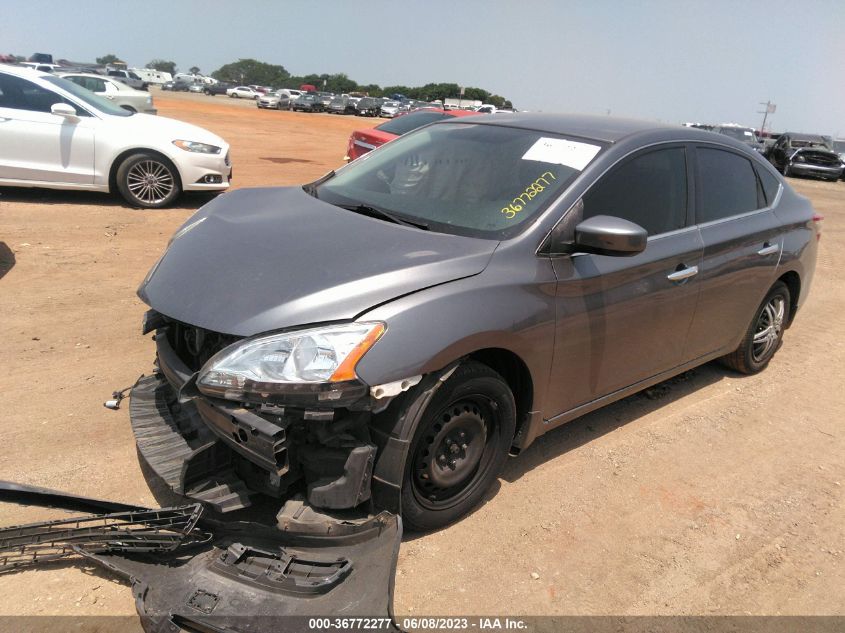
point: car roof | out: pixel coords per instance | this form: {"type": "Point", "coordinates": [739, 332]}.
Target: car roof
{"type": "Point", "coordinates": [23, 71]}
{"type": "Point", "coordinates": [597, 127]}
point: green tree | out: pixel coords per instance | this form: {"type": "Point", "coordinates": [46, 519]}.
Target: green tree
{"type": "Point", "coordinates": [339, 83]}
{"type": "Point", "coordinates": [194, 70]}
{"type": "Point", "coordinates": [163, 66]}
{"type": "Point", "coordinates": [108, 59]}
{"type": "Point", "coordinates": [252, 71]}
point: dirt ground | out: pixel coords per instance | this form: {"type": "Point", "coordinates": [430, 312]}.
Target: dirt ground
{"type": "Point", "coordinates": [712, 494]}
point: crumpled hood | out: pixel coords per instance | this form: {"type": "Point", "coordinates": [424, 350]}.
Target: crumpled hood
{"type": "Point", "coordinates": [255, 260]}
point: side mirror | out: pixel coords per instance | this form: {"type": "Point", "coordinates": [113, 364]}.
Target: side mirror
{"type": "Point", "coordinates": [63, 109]}
{"type": "Point", "coordinates": [607, 235]}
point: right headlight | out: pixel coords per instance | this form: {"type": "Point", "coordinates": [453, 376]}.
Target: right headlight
{"type": "Point", "coordinates": [316, 360]}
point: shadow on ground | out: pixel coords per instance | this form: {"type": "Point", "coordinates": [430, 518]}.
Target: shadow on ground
{"type": "Point", "coordinates": [7, 259]}
{"type": "Point", "coordinates": [188, 200]}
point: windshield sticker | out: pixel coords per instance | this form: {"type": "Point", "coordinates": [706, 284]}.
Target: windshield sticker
{"type": "Point", "coordinates": [518, 203]}
{"type": "Point", "coordinates": [562, 152]}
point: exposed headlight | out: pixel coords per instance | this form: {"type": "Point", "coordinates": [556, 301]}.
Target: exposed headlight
{"type": "Point", "coordinates": [799, 158]}
{"type": "Point", "coordinates": [265, 366]}
{"type": "Point", "coordinates": [193, 146]}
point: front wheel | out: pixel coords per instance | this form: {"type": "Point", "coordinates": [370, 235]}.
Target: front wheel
{"type": "Point", "coordinates": [459, 448]}
{"type": "Point", "coordinates": [764, 335]}
{"type": "Point", "coordinates": [148, 181]}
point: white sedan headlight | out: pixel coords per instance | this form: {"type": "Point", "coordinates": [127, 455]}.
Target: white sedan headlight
{"type": "Point", "coordinates": [262, 367]}
{"type": "Point", "coordinates": [193, 146]}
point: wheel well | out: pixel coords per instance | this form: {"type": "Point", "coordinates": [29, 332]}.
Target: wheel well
{"type": "Point", "coordinates": [515, 372]}
{"type": "Point", "coordinates": [793, 284]}
{"type": "Point", "coordinates": [128, 108]}
{"type": "Point", "coordinates": [115, 165]}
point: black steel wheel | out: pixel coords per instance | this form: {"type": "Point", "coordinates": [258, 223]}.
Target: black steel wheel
{"type": "Point", "coordinates": [148, 181]}
{"type": "Point", "coordinates": [459, 448]}
{"type": "Point", "coordinates": [765, 334]}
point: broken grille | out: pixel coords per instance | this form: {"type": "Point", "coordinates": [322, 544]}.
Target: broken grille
{"type": "Point", "coordinates": [129, 532]}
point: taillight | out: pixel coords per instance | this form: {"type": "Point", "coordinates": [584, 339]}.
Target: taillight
{"type": "Point", "coordinates": [817, 220]}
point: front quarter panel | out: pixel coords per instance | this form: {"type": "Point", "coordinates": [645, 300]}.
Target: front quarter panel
{"type": "Point", "coordinates": [509, 306]}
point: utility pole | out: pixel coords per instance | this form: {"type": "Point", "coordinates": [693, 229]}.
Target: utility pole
{"type": "Point", "coordinates": [770, 109]}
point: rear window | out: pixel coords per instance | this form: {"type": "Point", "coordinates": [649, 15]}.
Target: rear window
{"type": "Point", "coordinates": [727, 185]}
{"type": "Point", "coordinates": [770, 184]}
{"type": "Point", "coordinates": [404, 124]}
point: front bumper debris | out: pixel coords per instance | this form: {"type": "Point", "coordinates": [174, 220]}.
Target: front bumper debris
{"type": "Point", "coordinates": [216, 576]}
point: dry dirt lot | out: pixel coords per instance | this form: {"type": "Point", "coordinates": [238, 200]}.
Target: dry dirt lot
{"type": "Point", "coordinates": [715, 494]}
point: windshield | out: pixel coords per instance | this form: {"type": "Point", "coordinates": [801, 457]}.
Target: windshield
{"type": "Point", "coordinates": [740, 133]}
{"type": "Point", "coordinates": [478, 180]}
{"type": "Point", "coordinates": [809, 142]}
{"type": "Point", "coordinates": [89, 98]}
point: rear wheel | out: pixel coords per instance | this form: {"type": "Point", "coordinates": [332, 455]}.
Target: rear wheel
{"type": "Point", "coordinates": [459, 448]}
{"type": "Point", "coordinates": [764, 335]}
{"type": "Point", "coordinates": [148, 181]}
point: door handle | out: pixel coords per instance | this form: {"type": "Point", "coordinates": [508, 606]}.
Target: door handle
{"type": "Point", "coordinates": [684, 273]}
{"type": "Point", "coordinates": [769, 249]}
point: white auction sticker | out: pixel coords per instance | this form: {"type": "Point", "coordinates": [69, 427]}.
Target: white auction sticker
{"type": "Point", "coordinates": [562, 152]}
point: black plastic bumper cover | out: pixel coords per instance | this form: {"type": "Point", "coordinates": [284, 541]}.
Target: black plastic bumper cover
{"type": "Point", "coordinates": [250, 576]}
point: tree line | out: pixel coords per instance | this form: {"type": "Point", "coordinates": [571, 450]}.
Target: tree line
{"type": "Point", "coordinates": [252, 71]}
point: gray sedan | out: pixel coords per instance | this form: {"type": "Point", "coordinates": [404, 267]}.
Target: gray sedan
{"type": "Point", "coordinates": [383, 338]}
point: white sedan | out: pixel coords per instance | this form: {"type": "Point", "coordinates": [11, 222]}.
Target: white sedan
{"type": "Point", "coordinates": [58, 135]}
{"type": "Point", "coordinates": [126, 97]}
{"type": "Point", "coordinates": [243, 92]}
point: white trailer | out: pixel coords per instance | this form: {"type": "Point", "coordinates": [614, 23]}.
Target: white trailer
{"type": "Point", "coordinates": [152, 76]}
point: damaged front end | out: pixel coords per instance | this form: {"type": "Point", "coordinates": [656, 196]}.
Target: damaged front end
{"type": "Point", "coordinates": [194, 573]}
{"type": "Point", "coordinates": [217, 437]}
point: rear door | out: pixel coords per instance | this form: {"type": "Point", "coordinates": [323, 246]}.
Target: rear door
{"type": "Point", "coordinates": [742, 247]}
{"type": "Point", "coordinates": [621, 320]}
{"type": "Point", "coordinates": [38, 145]}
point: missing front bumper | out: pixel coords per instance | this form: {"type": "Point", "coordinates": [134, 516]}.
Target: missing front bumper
{"type": "Point", "coordinates": [221, 454]}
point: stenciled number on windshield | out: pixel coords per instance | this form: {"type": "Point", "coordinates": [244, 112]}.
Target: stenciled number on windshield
{"type": "Point", "coordinates": [522, 200]}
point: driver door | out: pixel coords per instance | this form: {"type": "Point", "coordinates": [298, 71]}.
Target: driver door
{"type": "Point", "coordinates": [623, 320]}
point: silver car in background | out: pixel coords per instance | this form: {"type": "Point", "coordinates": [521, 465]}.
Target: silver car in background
{"type": "Point", "coordinates": [114, 90]}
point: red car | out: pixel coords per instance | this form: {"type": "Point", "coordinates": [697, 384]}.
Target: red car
{"type": "Point", "coordinates": [363, 141]}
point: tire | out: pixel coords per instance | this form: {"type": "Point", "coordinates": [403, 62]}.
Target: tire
{"type": "Point", "coordinates": [468, 428]}
{"type": "Point", "coordinates": [753, 356]}
{"type": "Point", "coordinates": [148, 181]}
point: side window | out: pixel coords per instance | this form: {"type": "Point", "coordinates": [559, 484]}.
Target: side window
{"type": "Point", "coordinates": [649, 190]}
{"type": "Point", "coordinates": [97, 85]}
{"type": "Point", "coordinates": [21, 94]}
{"type": "Point", "coordinates": [770, 185]}
{"type": "Point", "coordinates": [727, 185]}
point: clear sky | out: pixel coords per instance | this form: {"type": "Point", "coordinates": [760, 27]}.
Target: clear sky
{"type": "Point", "coordinates": [674, 61]}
